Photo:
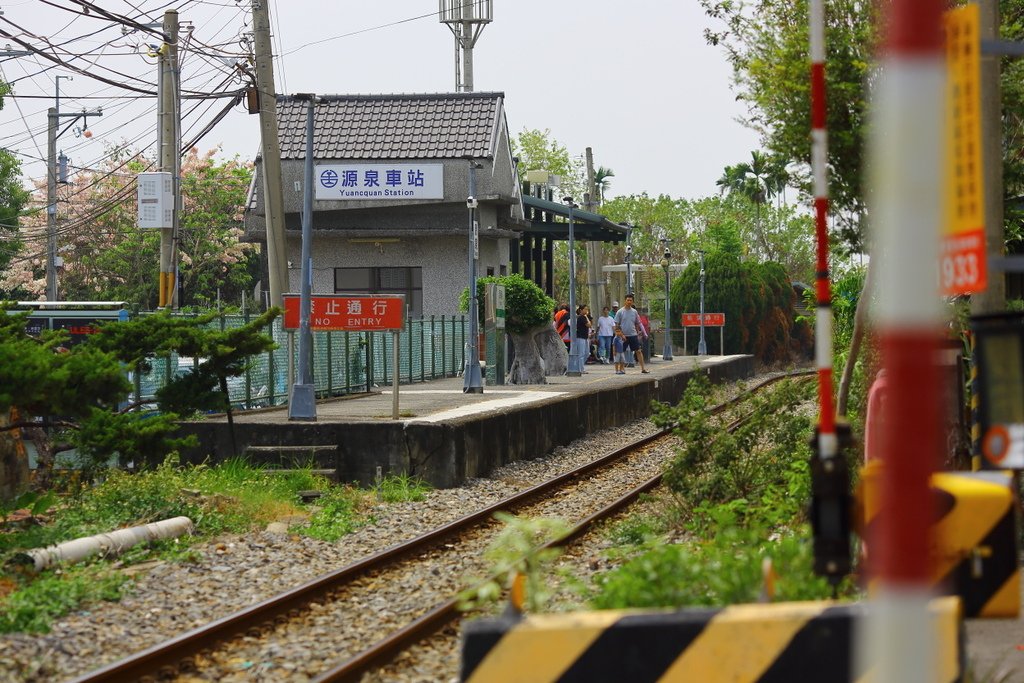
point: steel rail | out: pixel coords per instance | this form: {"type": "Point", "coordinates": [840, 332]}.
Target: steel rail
{"type": "Point", "coordinates": [443, 614]}
{"type": "Point", "coordinates": [173, 651]}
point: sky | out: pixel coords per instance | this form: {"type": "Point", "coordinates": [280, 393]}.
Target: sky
{"type": "Point", "coordinates": [634, 81]}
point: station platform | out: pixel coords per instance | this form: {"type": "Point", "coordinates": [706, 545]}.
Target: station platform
{"type": "Point", "coordinates": [443, 435]}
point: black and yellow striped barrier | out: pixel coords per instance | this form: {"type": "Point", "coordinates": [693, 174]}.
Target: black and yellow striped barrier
{"type": "Point", "coordinates": [974, 539]}
{"type": "Point", "coordinates": [763, 643]}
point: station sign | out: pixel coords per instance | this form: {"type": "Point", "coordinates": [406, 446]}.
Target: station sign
{"type": "Point", "coordinates": [962, 257]}
{"type": "Point", "coordinates": [378, 182]}
{"type": "Point", "coordinates": [348, 312]}
{"type": "Point", "coordinates": [710, 319]}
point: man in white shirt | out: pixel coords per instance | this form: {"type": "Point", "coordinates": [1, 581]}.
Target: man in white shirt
{"type": "Point", "coordinates": [605, 333]}
{"type": "Point", "coordinates": [629, 320]}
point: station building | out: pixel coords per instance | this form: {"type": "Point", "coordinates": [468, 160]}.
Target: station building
{"type": "Point", "coordinates": [391, 180]}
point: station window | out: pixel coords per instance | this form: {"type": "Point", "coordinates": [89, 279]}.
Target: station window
{"type": "Point", "coordinates": [384, 280]}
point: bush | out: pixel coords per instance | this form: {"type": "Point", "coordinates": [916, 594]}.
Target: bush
{"type": "Point", "coordinates": [727, 569]}
{"type": "Point", "coordinates": [758, 301]}
{"type": "Point", "coordinates": [526, 304]}
{"type": "Point", "coordinates": [763, 462]}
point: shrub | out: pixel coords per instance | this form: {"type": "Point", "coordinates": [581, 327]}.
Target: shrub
{"type": "Point", "coordinates": [526, 304]}
{"type": "Point", "coordinates": [758, 301]}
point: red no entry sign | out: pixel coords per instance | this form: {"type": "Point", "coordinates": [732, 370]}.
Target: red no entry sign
{"type": "Point", "coordinates": [710, 319]}
{"type": "Point", "coordinates": [348, 312]}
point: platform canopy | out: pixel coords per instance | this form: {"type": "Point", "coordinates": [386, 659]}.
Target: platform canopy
{"type": "Point", "coordinates": [587, 226]}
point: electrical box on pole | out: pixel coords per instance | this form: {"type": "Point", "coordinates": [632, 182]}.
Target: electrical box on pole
{"type": "Point", "coordinates": [156, 200]}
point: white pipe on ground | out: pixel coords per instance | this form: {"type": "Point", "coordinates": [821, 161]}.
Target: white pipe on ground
{"type": "Point", "coordinates": [111, 544]}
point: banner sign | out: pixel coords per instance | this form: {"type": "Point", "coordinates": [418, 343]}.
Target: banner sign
{"type": "Point", "coordinates": [962, 264]}
{"type": "Point", "coordinates": [348, 312]}
{"type": "Point", "coordinates": [353, 182]}
{"type": "Point", "coordinates": [710, 319]}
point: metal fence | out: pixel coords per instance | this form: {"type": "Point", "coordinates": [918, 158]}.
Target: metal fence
{"type": "Point", "coordinates": [343, 362]}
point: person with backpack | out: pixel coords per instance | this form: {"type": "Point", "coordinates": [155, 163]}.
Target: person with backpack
{"type": "Point", "coordinates": [562, 324]}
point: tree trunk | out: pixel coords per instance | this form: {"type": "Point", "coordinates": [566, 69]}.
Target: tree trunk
{"type": "Point", "coordinates": [13, 460]}
{"type": "Point", "coordinates": [227, 411]}
{"type": "Point", "coordinates": [859, 325]}
{"type": "Point", "coordinates": [539, 353]}
{"type": "Point", "coordinates": [552, 350]}
{"type": "Point", "coordinates": [45, 457]}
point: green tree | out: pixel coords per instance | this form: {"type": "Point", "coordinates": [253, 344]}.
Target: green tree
{"type": "Point", "coordinates": [766, 41]}
{"type": "Point", "coordinates": [84, 386]}
{"type": "Point", "coordinates": [224, 354]}
{"type": "Point", "coordinates": [760, 180]}
{"type": "Point", "coordinates": [602, 180]}
{"type": "Point", "coordinates": [716, 224]}
{"type": "Point", "coordinates": [539, 151]}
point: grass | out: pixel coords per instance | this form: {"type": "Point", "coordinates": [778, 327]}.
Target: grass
{"type": "Point", "coordinates": [401, 488]}
{"type": "Point", "coordinates": [234, 496]}
{"type": "Point", "coordinates": [33, 607]}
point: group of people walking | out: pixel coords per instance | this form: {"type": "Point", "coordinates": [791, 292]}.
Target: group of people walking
{"type": "Point", "coordinates": [614, 337]}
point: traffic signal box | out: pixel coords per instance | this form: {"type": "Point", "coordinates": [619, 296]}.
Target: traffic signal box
{"type": "Point", "coordinates": [975, 538]}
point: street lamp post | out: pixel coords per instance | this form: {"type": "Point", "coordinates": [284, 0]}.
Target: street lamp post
{"type": "Point", "coordinates": [302, 402]}
{"type": "Point", "coordinates": [574, 368]}
{"type": "Point", "coordinates": [471, 380]}
{"type": "Point", "coordinates": [702, 347]}
{"type": "Point", "coordinates": [666, 263]}
{"type": "Point", "coordinates": [629, 260]}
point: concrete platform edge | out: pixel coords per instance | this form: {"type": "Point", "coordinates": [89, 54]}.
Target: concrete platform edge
{"type": "Point", "coordinates": [447, 453]}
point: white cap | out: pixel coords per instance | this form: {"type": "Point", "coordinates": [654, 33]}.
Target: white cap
{"type": "Point", "coordinates": [615, 303]}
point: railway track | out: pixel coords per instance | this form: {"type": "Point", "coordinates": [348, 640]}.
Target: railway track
{"type": "Point", "coordinates": [324, 605]}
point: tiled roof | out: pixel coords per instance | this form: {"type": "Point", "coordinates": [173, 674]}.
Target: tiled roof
{"type": "Point", "coordinates": [441, 126]}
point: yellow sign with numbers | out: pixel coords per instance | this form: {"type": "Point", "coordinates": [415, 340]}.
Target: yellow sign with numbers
{"type": "Point", "coordinates": [962, 258]}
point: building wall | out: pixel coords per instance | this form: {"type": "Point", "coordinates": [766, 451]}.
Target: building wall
{"type": "Point", "coordinates": [443, 259]}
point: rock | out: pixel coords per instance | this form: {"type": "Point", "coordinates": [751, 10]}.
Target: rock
{"type": "Point", "coordinates": [277, 528]}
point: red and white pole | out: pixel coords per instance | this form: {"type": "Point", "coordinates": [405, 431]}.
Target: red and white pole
{"type": "Point", "coordinates": [828, 444]}
{"type": "Point", "coordinates": [906, 161]}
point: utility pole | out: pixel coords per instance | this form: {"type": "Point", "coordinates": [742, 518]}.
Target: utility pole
{"type": "Point", "coordinates": [170, 155]}
{"type": "Point", "coordinates": [273, 193]}
{"type": "Point", "coordinates": [52, 120]}
{"type": "Point", "coordinates": [53, 117]}
{"type": "Point", "coordinates": [993, 298]}
{"type": "Point", "coordinates": [595, 249]}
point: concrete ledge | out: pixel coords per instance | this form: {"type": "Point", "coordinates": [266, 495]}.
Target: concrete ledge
{"type": "Point", "coordinates": [810, 642]}
{"type": "Point", "coordinates": [445, 453]}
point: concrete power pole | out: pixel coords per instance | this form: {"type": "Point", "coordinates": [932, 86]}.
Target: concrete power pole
{"type": "Point", "coordinates": [273, 193]}
{"type": "Point", "coordinates": [170, 155]}
{"type": "Point", "coordinates": [993, 298]}
{"type": "Point", "coordinates": [51, 203]}
{"type": "Point", "coordinates": [595, 250]}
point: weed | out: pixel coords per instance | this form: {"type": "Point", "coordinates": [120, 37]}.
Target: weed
{"type": "Point", "coordinates": [32, 608]}
{"type": "Point", "coordinates": [517, 551]}
{"type": "Point", "coordinates": [637, 530]}
{"type": "Point", "coordinates": [338, 514]}
{"type": "Point", "coordinates": [723, 570]}
{"type": "Point", "coordinates": [400, 488]}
